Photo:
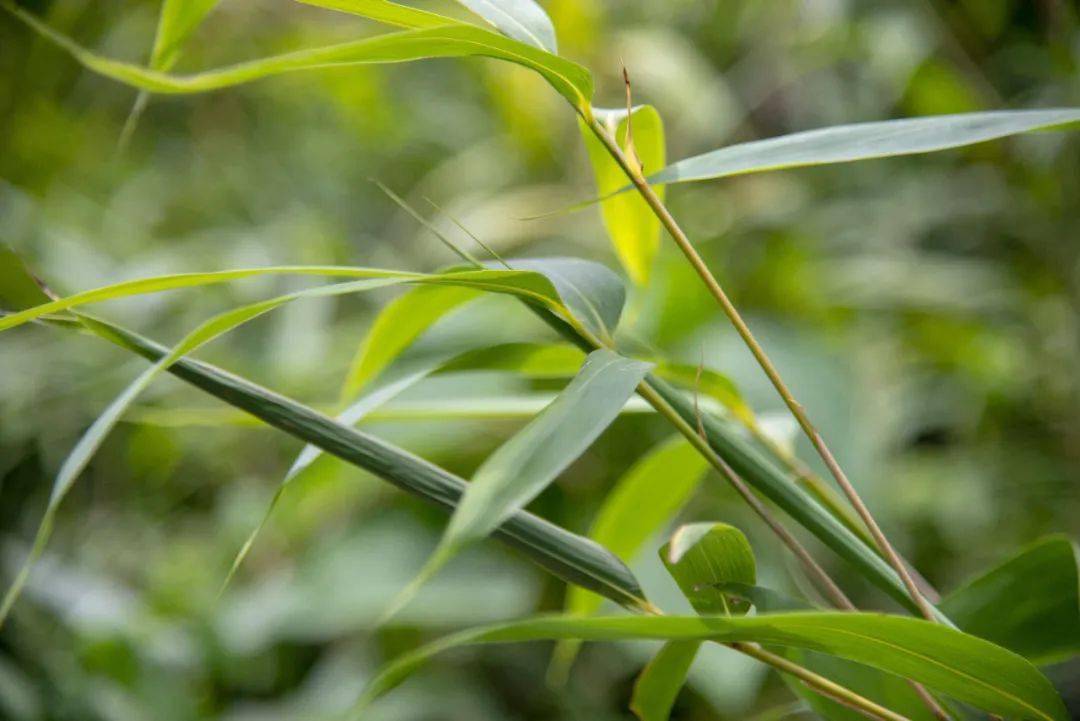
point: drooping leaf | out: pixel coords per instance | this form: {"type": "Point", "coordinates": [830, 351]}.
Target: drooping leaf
{"type": "Point", "coordinates": [527, 463]}
{"type": "Point", "coordinates": [531, 286]}
{"type": "Point", "coordinates": [631, 225]}
{"type": "Point", "coordinates": [863, 141]}
{"type": "Point", "coordinates": [571, 557]}
{"type": "Point", "coordinates": [593, 293]}
{"type": "Point", "coordinates": [522, 20]}
{"type": "Point", "coordinates": [962, 666]}
{"type": "Point", "coordinates": [95, 435]}
{"type": "Point", "coordinates": [569, 79]}
{"type": "Point", "coordinates": [703, 558]}
{"type": "Point", "coordinates": [396, 327]}
{"type": "Point", "coordinates": [658, 685]}
{"type": "Point", "coordinates": [1029, 604]}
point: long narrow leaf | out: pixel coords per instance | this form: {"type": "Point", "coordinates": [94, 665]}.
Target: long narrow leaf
{"type": "Point", "coordinates": [530, 286]}
{"type": "Point", "coordinates": [568, 556]}
{"type": "Point", "coordinates": [569, 79]}
{"type": "Point", "coordinates": [522, 20]}
{"type": "Point", "coordinates": [659, 683]}
{"type": "Point", "coordinates": [965, 667]}
{"type": "Point", "coordinates": [386, 12]}
{"type": "Point", "coordinates": [94, 436]}
{"type": "Point", "coordinates": [863, 141]}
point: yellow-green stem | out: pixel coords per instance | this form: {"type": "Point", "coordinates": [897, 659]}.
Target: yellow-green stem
{"type": "Point", "coordinates": [683, 242]}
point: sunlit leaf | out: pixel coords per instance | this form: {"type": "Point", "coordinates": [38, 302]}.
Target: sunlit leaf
{"type": "Point", "coordinates": [178, 20]}
{"type": "Point", "coordinates": [571, 80]}
{"type": "Point", "coordinates": [658, 684]}
{"type": "Point", "coordinates": [631, 225]}
{"type": "Point", "coordinates": [705, 557]}
{"type": "Point", "coordinates": [1029, 604]}
{"type": "Point", "coordinates": [965, 667]}
{"type": "Point", "coordinates": [863, 141]}
{"type": "Point", "coordinates": [398, 324]}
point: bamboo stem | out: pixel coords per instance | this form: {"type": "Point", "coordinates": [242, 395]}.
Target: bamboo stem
{"type": "Point", "coordinates": [671, 225]}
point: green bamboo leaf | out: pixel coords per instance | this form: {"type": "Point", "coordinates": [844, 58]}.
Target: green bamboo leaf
{"type": "Point", "coordinates": [527, 463]}
{"type": "Point", "coordinates": [774, 483]}
{"type": "Point", "coordinates": [569, 79]}
{"type": "Point", "coordinates": [965, 667]}
{"type": "Point", "coordinates": [863, 141]}
{"type": "Point", "coordinates": [395, 328]}
{"type": "Point", "coordinates": [631, 225]}
{"type": "Point", "coordinates": [532, 360]}
{"type": "Point", "coordinates": [95, 435]}
{"type": "Point", "coordinates": [1029, 604]}
{"type": "Point", "coordinates": [707, 382]}
{"type": "Point", "coordinates": [658, 685]}
{"type": "Point", "coordinates": [530, 286]}
{"type": "Point", "coordinates": [592, 292]}
{"type": "Point", "coordinates": [641, 503]}
{"type": "Point", "coordinates": [386, 12]}
{"type": "Point", "coordinates": [177, 22]}
{"type": "Point", "coordinates": [522, 20]}
{"type": "Point", "coordinates": [570, 557]}
{"type": "Point", "coordinates": [703, 558]}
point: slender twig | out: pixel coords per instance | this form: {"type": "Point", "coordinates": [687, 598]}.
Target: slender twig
{"type": "Point", "coordinates": [679, 236]}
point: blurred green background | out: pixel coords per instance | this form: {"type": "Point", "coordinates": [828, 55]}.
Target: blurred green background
{"type": "Point", "coordinates": [924, 309]}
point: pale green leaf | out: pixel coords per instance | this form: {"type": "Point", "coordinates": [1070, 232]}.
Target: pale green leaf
{"type": "Point", "coordinates": [177, 22]}
{"type": "Point", "coordinates": [522, 20]}
{"type": "Point", "coordinates": [658, 685]}
{"type": "Point", "coordinates": [965, 667]}
{"type": "Point", "coordinates": [863, 141]}
{"type": "Point", "coordinates": [631, 225]}
{"type": "Point", "coordinates": [571, 80]}
{"type": "Point", "coordinates": [592, 292]}
{"type": "Point", "coordinates": [705, 557]}
{"type": "Point", "coordinates": [1029, 604]}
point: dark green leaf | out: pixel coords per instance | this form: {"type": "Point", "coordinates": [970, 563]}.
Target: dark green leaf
{"type": "Point", "coordinates": [705, 557]}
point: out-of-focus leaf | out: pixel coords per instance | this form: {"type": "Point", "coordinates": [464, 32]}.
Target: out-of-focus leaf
{"type": "Point", "coordinates": [571, 557]}
{"type": "Point", "coordinates": [533, 360]}
{"type": "Point", "coordinates": [658, 685]}
{"type": "Point", "coordinates": [569, 79]}
{"type": "Point", "coordinates": [709, 383]}
{"type": "Point", "coordinates": [522, 20]}
{"type": "Point", "coordinates": [703, 558]}
{"type": "Point", "coordinates": [532, 286]}
{"type": "Point", "coordinates": [178, 20]}
{"type": "Point", "coordinates": [397, 326]}
{"type": "Point", "coordinates": [965, 667]}
{"type": "Point", "coordinates": [863, 141]}
{"type": "Point", "coordinates": [631, 225]}
{"type": "Point", "coordinates": [1029, 604]}
{"type": "Point", "coordinates": [642, 502]}
{"type": "Point", "coordinates": [92, 439]}
{"type": "Point", "coordinates": [527, 463]}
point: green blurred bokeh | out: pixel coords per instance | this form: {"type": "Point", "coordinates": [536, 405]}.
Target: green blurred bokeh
{"type": "Point", "coordinates": [924, 309]}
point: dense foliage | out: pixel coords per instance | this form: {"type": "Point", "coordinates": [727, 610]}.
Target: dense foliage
{"type": "Point", "coordinates": [531, 339]}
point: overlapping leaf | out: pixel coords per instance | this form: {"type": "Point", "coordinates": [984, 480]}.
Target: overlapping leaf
{"type": "Point", "coordinates": [965, 667]}
{"type": "Point", "coordinates": [571, 80]}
